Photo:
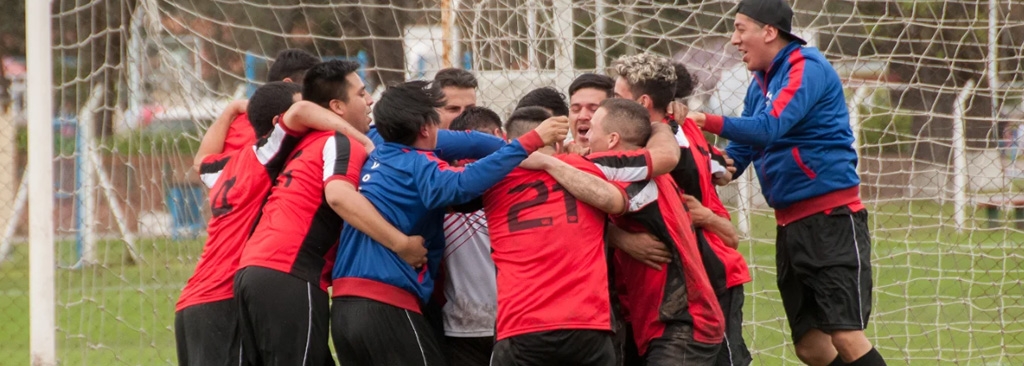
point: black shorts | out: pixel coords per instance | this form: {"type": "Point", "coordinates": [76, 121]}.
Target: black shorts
{"type": "Point", "coordinates": [284, 319]}
{"type": "Point", "coordinates": [469, 351]}
{"type": "Point", "coordinates": [824, 271]}
{"type": "Point", "coordinates": [556, 348]}
{"type": "Point", "coordinates": [734, 350]}
{"type": "Point", "coordinates": [676, 346]}
{"type": "Point", "coordinates": [207, 334]}
{"type": "Point", "coordinates": [371, 333]}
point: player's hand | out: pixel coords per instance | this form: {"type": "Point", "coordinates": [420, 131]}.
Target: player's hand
{"type": "Point", "coordinates": [723, 178]}
{"type": "Point", "coordinates": [413, 251]}
{"type": "Point", "coordinates": [369, 146]}
{"type": "Point", "coordinates": [699, 214]}
{"type": "Point", "coordinates": [678, 109]}
{"type": "Point", "coordinates": [574, 148]}
{"type": "Point", "coordinates": [698, 118]}
{"type": "Point", "coordinates": [536, 161]}
{"type": "Point", "coordinates": [645, 248]}
{"type": "Point", "coordinates": [553, 129]}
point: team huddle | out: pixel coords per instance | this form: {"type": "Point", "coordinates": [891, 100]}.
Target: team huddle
{"type": "Point", "coordinates": [586, 232]}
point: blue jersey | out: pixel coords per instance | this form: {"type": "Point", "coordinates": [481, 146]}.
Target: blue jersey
{"type": "Point", "coordinates": [412, 189]}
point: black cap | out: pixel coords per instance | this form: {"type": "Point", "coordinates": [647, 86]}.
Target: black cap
{"type": "Point", "coordinates": [776, 13]}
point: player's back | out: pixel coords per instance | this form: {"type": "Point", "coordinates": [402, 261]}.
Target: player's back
{"type": "Point", "coordinates": [298, 228]}
{"type": "Point", "coordinates": [549, 251]}
{"type": "Point", "coordinates": [241, 181]}
{"type": "Point", "coordinates": [240, 134]}
{"type": "Point", "coordinates": [665, 217]}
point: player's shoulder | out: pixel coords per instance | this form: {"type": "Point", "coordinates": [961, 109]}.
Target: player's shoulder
{"type": "Point", "coordinates": [620, 158]}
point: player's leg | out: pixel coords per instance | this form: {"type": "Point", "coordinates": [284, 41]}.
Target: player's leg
{"type": "Point", "coordinates": [556, 348]}
{"type": "Point", "coordinates": [676, 346]}
{"type": "Point", "coordinates": [848, 285]}
{"type": "Point", "coordinates": [813, 347]}
{"type": "Point", "coordinates": [288, 317]}
{"type": "Point", "coordinates": [180, 341]}
{"type": "Point", "coordinates": [734, 350]}
{"type": "Point", "coordinates": [210, 334]}
{"type": "Point", "coordinates": [469, 350]}
{"type": "Point", "coordinates": [368, 332]}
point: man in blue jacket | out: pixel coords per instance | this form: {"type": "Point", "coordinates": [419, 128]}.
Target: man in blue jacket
{"type": "Point", "coordinates": [795, 129]}
{"type": "Point", "coordinates": [376, 315]}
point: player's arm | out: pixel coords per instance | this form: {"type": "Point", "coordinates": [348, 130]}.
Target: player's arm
{"type": "Point", "coordinates": [360, 213]}
{"type": "Point", "coordinates": [797, 96]}
{"type": "Point", "coordinates": [343, 163]}
{"type": "Point", "coordinates": [586, 187]}
{"type": "Point", "coordinates": [643, 247]}
{"type": "Point", "coordinates": [458, 145]}
{"type": "Point", "coordinates": [210, 168]}
{"type": "Point", "coordinates": [664, 149]}
{"type": "Point", "coordinates": [704, 218]}
{"type": "Point", "coordinates": [440, 185]}
{"type": "Point", "coordinates": [305, 115]}
{"type": "Point", "coordinates": [213, 139]}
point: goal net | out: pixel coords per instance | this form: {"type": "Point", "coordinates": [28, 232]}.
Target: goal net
{"type": "Point", "coordinates": [934, 89]}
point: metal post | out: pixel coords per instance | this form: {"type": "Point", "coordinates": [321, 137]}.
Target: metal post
{"type": "Point", "coordinates": [960, 157]}
{"type": "Point", "coordinates": [39, 98]}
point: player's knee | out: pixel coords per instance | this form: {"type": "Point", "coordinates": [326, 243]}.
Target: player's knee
{"type": "Point", "coordinates": [851, 344]}
{"type": "Point", "coordinates": [815, 348]}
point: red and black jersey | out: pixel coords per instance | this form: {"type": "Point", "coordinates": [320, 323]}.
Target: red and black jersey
{"type": "Point", "coordinates": [240, 181]}
{"type": "Point", "coordinates": [240, 134]}
{"type": "Point", "coordinates": [693, 176]}
{"type": "Point", "coordinates": [548, 248]}
{"type": "Point", "coordinates": [680, 291]}
{"type": "Point", "coordinates": [299, 231]}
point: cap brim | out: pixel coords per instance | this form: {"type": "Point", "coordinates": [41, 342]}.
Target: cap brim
{"type": "Point", "coordinates": [795, 38]}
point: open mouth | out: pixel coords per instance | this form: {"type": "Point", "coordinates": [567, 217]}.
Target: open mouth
{"type": "Point", "coordinates": [581, 133]}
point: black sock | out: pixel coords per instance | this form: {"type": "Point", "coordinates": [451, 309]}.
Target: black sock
{"type": "Point", "coordinates": [872, 358]}
{"type": "Point", "coordinates": [837, 362]}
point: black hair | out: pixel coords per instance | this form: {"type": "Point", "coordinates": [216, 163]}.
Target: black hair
{"type": "Point", "coordinates": [476, 118]}
{"type": "Point", "coordinates": [269, 101]}
{"type": "Point", "coordinates": [291, 63]}
{"type": "Point", "coordinates": [684, 81]}
{"type": "Point", "coordinates": [596, 81]}
{"type": "Point", "coordinates": [628, 118]}
{"type": "Point", "coordinates": [404, 109]}
{"type": "Point", "coordinates": [452, 77]}
{"type": "Point", "coordinates": [546, 97]}
{"type": "Point", "coordinates": [326, 81]}
{"type": "Point", "coordinates": [661, 92]}
{"type": "Point", "coordinates": [525, 119]}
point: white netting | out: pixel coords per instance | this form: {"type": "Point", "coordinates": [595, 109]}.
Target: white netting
{"type": "Point", "coordinates": [137, 81]}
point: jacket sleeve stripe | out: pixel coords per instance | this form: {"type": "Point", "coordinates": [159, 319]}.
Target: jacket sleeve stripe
{"type": "Point", "coordinates": [796, 76]}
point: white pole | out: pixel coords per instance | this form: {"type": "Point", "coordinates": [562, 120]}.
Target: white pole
{"type": "Point", "coordinates": [993, 56]}
{"type": "Point", "coordinates": [456, 50]}
{"type": "Point", "coordinates": [855, 119]}
{"type": "Point", "coordinates": [532, 60]}
{"type": "Point", "coordinates": [599, 41]}
{"type": "Point", "coordinates": [39, 98]}
{"type": "Point", "coordinates": [743, 202]}
{"type": "Point", "coordinates": [86, 121]}
{"type": "Point", "coordinates": [960, 157]}
{"type": "Point", "coordinates": [564, 56]}
{"type": "Point", "coordinates": [136, 55]}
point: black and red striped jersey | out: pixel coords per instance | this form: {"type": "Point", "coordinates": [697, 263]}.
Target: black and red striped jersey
{"type": "Point", "coordinates": [240, 181]}
{"type": "Point", "coordinates": [299, 231]}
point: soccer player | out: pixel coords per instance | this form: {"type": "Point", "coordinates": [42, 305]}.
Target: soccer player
{"type": "Point", "coordinates": [674, 315]}
{"type": "Point", "coordinates": [653, 81]}
{"type": "Point", "coordinates": [459, 88]}
{"type": "Point", "coordinates": [795, 129]}
{"type": "Point", "coordinates": [586, 93]}
{"type": "Point", "coordinates": [280, 284]}
{"type": "Point", "coordinates": [546, 97]}
{"type": "Point", "coordinates": [232, 131]}
{"type": "Point", "coordinates": [553, 298]}
{"type": "Point", "coordinates": [205, 319]}
{"type": "Point", "coordinates": [470, 292]}
{"type": "Point", "coordinates": [376, 314]}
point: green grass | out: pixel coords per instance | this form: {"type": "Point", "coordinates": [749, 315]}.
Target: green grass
{"type": "Point", "coordinates": [941, 296]}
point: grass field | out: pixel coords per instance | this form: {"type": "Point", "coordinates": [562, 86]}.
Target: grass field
{"type": "Point", "coordinates": [941, 297]}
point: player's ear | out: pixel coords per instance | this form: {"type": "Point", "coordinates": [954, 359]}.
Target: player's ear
{"type": "Point", "coordinates": [288, 80]}
{"type": "Point", "coordinates": [645, 100]}
{"type": "Point", "coordinates": [338, 107]}
{"type": "Point", "coordinates": [770, 34]}
{"type": "Point", "coordinates": [613, 140]}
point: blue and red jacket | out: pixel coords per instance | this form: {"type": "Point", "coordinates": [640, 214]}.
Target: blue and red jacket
{"type": "Point", "coordinates": [795, 129]}
{"type": "Point", "coordinates": [412, 189]}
